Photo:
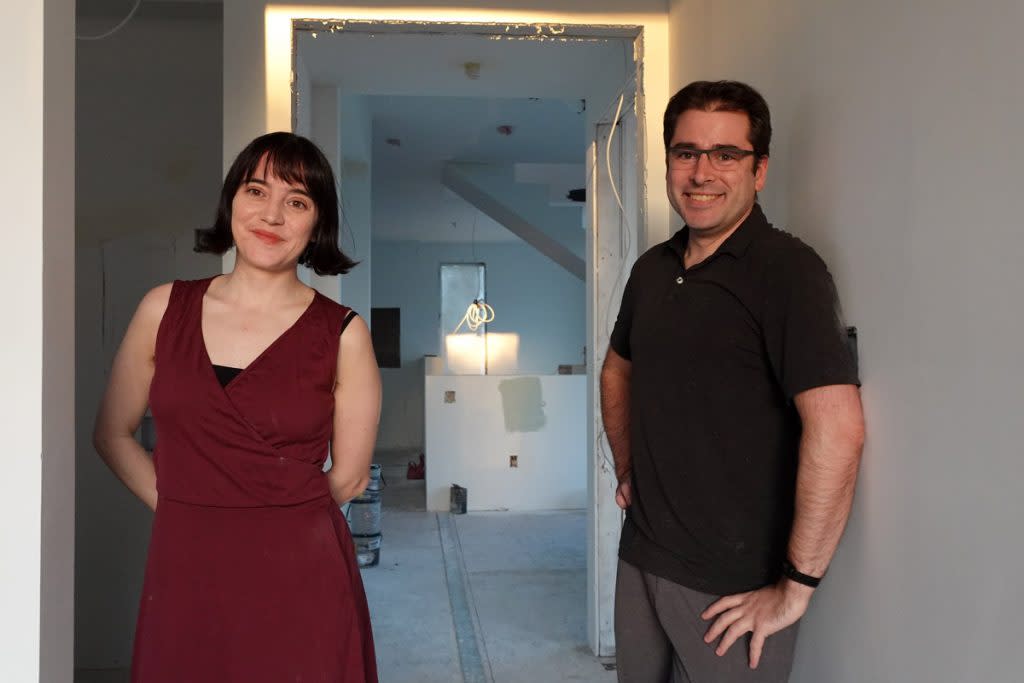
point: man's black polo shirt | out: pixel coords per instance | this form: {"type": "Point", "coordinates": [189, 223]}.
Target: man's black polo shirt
{"type": "Point", "coordinates": [718, 352]}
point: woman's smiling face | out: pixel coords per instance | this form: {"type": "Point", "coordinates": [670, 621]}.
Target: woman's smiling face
{"type": "Point", "coordinates": [272, 220]}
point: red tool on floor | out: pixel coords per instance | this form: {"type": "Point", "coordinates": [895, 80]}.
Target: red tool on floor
{"type": "Point", "coordinates": [416, 470]}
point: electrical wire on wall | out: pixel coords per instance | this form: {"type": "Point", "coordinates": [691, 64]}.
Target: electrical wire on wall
{"type": "Point", "coordinates": [626, 228]}
{"type": "Point", "coordinates": [605, 458]}
{"type": "Point", "coordinates": [118, 27]}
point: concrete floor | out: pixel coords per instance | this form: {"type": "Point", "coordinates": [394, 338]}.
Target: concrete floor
{"type": "Point", "coordinates": [524, 576]}
{"type": "Point", "coordinates": [500, 596]}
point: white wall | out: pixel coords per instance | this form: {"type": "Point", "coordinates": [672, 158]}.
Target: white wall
{"type": "Point", "coordinates": [341, 126]}
{"type": "Point", "coordinates": [148, 165]}
{"type": "Point", "coordinates": [531, 296]}
{"type": "Point", "coordinates": [357, 201]}
{"type": "Point", "coordinates": [897, 155]}
{"type": "Point", "coordinates": [36, 410]}
{"type": "Point", "coordinates": [323, 131]}
{"type": "Point", "coordinates": [540, 419]}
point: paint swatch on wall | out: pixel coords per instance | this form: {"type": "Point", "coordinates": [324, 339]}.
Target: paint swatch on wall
{"type": "Point", "coordinates": [522, 402]}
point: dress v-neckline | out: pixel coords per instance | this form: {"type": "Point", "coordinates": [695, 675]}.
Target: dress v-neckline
{"type": "Point", "coordinates": [211, 372]}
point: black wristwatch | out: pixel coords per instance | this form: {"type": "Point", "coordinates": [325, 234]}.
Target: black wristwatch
{"type": "Point", "coordinates": [793, 574]}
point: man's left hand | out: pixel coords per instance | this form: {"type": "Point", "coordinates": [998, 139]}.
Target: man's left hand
{"type": "Point", "coordinates": [762, 612]}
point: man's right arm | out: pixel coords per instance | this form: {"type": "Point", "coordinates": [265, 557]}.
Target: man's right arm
{"type": "Point", "coordinates": [615, 378]}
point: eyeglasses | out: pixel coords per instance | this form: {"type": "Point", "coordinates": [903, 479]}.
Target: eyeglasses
{"type": "Point", "coordinates": [721, 158]}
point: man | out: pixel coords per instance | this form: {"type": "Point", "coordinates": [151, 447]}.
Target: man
{"type": "Point", "coordinates": [730, 400]}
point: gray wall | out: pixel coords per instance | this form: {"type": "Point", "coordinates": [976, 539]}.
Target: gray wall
{"type": "Point", "coordinates": [147, 114]}
{"type": "Point", "coordinates": [148, 171]}
{"type": "Point", "coordinates": [897, 155]}
{"type": "Point", "coordinates": [531, 296]}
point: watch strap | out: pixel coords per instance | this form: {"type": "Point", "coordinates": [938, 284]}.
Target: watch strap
{"type": "Point", "coordinates": [794, 574]}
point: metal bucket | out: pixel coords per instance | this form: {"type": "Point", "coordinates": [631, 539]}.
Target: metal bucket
{"type": "Point", "coordinates": [459, 499]}
{"type": "Point", "coordinates": [364, 520]}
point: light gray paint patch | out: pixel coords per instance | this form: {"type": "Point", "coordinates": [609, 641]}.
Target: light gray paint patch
{"type": "Point", "coordinates": [522, 402]}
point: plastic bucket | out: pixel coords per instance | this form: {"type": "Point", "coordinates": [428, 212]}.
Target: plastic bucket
{"type": "Point", "coordinates": [364, 520]}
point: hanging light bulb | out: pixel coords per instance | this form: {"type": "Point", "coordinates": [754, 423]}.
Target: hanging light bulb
{"type": "Point", "coordinates": [478, 313]}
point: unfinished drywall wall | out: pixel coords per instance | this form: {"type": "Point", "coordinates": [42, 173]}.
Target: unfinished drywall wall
{"type": "Point", "coordinates": [896, 155]}
{"type": "Point", "coordinates": [538, 420]}
{"type": "Point", "coordinates": [533, 298]}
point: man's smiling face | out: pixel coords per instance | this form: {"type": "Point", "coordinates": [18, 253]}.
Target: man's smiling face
{"type": "Point", "coordinates": [713, 202]}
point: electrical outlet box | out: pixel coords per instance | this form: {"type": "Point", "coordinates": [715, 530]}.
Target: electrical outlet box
{"type": "Point", "coordinates": [513, 461]}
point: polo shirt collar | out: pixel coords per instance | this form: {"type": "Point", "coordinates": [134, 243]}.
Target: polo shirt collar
{"type": "Point", "coordinates": [736, 244]}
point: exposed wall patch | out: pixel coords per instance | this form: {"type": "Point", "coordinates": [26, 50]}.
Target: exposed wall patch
{"type": "Point", "coordinates": [522, 403]}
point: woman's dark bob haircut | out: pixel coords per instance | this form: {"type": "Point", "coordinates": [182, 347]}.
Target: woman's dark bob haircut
{"type": "Point", "coordinates": [293, 159]}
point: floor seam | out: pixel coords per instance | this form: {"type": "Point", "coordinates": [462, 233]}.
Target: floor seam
{"type": "Point", "coordinates": [471, 603]}
{"type": "Point", "coordinates": [467, 638]}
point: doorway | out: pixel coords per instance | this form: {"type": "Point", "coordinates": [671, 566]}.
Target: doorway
{"type": "Point", "coordinates": [596, 66]}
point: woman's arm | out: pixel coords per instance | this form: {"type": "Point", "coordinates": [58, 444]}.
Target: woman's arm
{"type": "Point", "coordinates": [124, 401]}
{"type": "Point", "coordinates": [356, 413]}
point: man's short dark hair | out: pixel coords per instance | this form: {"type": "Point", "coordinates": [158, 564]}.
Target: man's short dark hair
{"type": "Point", "coordinates": [293, 159]}
{"type": "Point", "coordinates": [723, 96]}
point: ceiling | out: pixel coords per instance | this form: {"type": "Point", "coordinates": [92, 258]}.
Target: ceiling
{"type": "Point", "coordinates": [431, 128]}
{"type": "Point", "coordinates": [435, 130]}
{"type": "Point", "coordinates": [418, 92]}
{"type": "Point", "coordinates": [425, 63]}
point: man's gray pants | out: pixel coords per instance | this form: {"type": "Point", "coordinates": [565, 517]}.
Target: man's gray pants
{"type": "Point", "coordinates": [659, 637]}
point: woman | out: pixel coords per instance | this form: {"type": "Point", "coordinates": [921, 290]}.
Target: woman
{"type": "Point", "coordinates": [251, 574]}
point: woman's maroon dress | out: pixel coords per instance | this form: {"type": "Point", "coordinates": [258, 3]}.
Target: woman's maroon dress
{"type": "Point", "coordinates": [251, 575]}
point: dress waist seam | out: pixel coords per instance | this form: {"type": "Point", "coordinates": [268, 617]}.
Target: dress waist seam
{"type": "Point", "coordinates": [310, 502]}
